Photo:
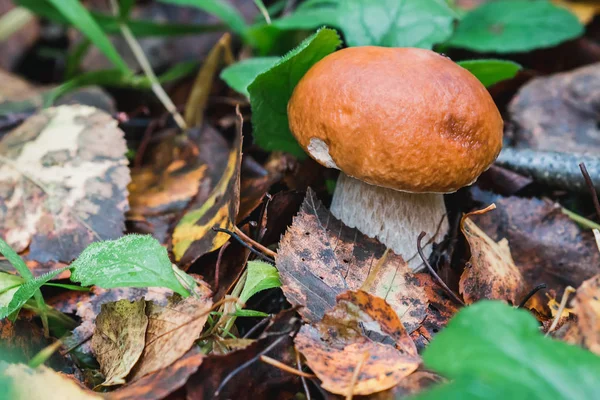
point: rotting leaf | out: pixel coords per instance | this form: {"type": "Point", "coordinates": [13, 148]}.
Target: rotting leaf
{"type": "Point", "coordinates": [63, 181]}
{"type": "Point", "coordinates": [119, 338]}
{"type": "Point", "coordinates": [319, 257]}
{"type": "Point", "coordinates": [26, 383]}
{"type": "Point", "coordinates": [177, 175]}
{"type": "Point", "coordinates": [162, 383]}
{"type": "Point", "coordinates": [491, 273]}
{"type": "Point", "coordinates": [546, 245]}
{"type": "Point", "coordinates": [363, 332]}
{"type": "Point", "coordinates": [558, 112]}
{"type": "Point", "coordinates": [172, 330]}
{"type": "Point", "coordinates": [194, 235]}
{"type": "Point", "coordinates": [586, 305]}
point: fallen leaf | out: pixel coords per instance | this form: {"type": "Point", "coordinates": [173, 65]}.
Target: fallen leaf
{"type": "Point", "coordinates": [177, 175]}
{"type": "Point", "coordinates": [256, 380]}
{"type": "Point", "coordinates": [194, 235]}
{"type": "Point", "coordinates": [319, 257]}
{"type": "Point", "coordinates": [557, 112]}
{"type": "Point", "coordinates": [546, 245]}
{"type": "Point", "coordinates": [586, 305]}
{"type": "Point", "coordinates": [63, 179]}
{"type": "Point", "coordinates": [162, 383]}
{"type": "Point", "coordinates": [41, 383]}
{"type": "Point", "coordinates": [362, 332]}
{"type": "Point", "coordinates": [172, 330]}
{"type": "Point", "coordinates": [415, 383]}
{"type": "Point", "coordinates": [491, 273]}
{"type": "Point", "coordinates": [119, 338]}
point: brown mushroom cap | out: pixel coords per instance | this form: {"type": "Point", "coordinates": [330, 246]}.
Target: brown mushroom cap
{"type": "Point", "coordinates": [403, 118]}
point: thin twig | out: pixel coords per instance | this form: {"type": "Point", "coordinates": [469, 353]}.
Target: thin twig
{"type": "Point", "coordinates": [355, 375]}
{"type": "Point", "coordinates": [254, 243]}
{"type": "Point", "coordinates": [303, 379]}
{"type": "Point", "coordinates": [531, 293]}
{"type": "Point", "coordinates": [591, 187]}
{"type": "Point", "coordinates": [256, 327]}
{"type": "Point", "coordinates": [243, 243]}
{"type": "Point", "coordinates": [218, 266]}
{"type": "Point", "coordinates": [247, 364]}
{"type": "Point", "coordinates": [561, 308]}
{"type": "Point", "coordinates": [286, 368]}
{"type": "Point", "coordinates": [137, 51]}
{"type": "Point", "coordinates": [435, 275]}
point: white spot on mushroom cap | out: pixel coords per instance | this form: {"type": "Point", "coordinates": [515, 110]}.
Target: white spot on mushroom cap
{"type": "Point", "coordinates": [319, 150]}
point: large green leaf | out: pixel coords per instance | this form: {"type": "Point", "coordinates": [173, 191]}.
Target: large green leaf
{"type": "Point", "coordinates": [515, 26]}
{"type": "Point", "coordinates": [392, 23]}
{"type": "Point", "coordinates": [490, 72]}
{"type": "Point", "coordinates": [220, 8]}
{"type": "Point", "coordinates": [238, 76]}
{"type": "Point", "coordinates": [79, 16]}
{"type": "Point", "coordinates": [261, 276]}
{"type": "Point", "coordinates": [131, 261]}
{"type": "Point", "coordinates": [26, 291]}
{"type": "Point", "coordinates": [9, 284]}
{"type": "Point", "coordinates": [271, 90]}
{"type": "Point", "coordinates": [493, 351]}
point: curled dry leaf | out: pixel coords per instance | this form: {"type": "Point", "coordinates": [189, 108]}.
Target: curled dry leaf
{"type": "Point", "coordinates": [172, 330]}
{"type": "Point", "coordinates": [547, 246]}
{"type": "Point", "coordinates": [363, 332]}
{"type": "Point", "coordinates": [42, 383]}
{"type": "Point", "coordinates": [585, 331]}
{"type": "Point", "coordinates": [158, 385]}
{"type": "Point", "coordinates": [119, 338]}
{"type": "Point", "coordinates": [319, 257]}
{"type": "Point", "coordinates": [63, 183]}
{"type": "Point", "coordinates": [558, 112]}
{"type": "Point", "coordinates": [491, 273]}
{"type": "Point", "coordinates": [194, 235]}
{"type": "Point", "coordinates": [178, 175]}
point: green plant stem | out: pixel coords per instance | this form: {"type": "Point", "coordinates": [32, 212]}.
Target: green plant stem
{"type": "Point", "coordinates": [580, 220]}
{"type": "Point", "coordinates": [263, 10]}
{"type": "Point", "coordinates": [237, 290]}
{"type": "Point", "coordinates": [147, 68]}
{"type": "Point", "coordinates": [13, 21]}
{"type": "Point", "coordinates": [43, 355]}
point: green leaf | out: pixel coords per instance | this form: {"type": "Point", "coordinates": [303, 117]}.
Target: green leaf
{"type": "Point", "coordinates": [220, 8]}
{"type": "Point", "coordinates": [249, 313]}
{"type": "Point", "coordinates": [490, 72]}
{"type": "Point", "coordinates": [271, 90]}
{"type": "Point", "coordinates": [493, 351]}
{"type": "Point", "coordinates": [238, 76]}
{"type": "Point", "coordinates": [26, 291]}
{"type": "Point", "coordinates": [15, 260]}
{"type": "Point", "coordinates": [9, 284]}
{"type": "Point", "coordinates": [77, 14]}
{"type": "Point", "coordinates": [131, 261]}
{"type": "Point", "coordinates": [261, 276]}
{"type": "Point", "coordinates": [125, 7]}
{"type": "Point", "coordinates": [391, 23]}
{"type": "Point", "coordinates": [515, 26]}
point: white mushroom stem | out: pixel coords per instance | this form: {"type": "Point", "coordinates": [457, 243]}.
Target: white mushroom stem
{"type": "Point", "coordinates": [394, 218]}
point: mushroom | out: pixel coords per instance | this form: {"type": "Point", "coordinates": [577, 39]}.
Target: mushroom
{"type": "Point", "coordinates": [404, 126]}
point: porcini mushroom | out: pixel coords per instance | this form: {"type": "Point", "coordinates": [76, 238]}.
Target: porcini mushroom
{"type": "Point", "coordinates": [404, 126]}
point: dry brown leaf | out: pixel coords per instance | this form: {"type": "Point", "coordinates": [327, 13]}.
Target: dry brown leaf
{"type": "Point", "coordinates": [42, 383]}
{"type": "Point", "coordinates": [585, 10]}
{"type": "Point", "coordinates": [160, 384]}
{"type": "Point", "coordinates": [119, 338]}
{"type": "Point", "coordinates": [586, 305]}
{"type": "Point", "coordinates": [557, 112]}
{"type": "Point", "coordinates": [364, 332]}
{"type": "Point", "coordinates": [63, 183]}
{"type": "Point", "coordinates": [172, 330]}
{"type": "Point", "coordinates": [319, 257]}
{"type": "Point", "coordinates": [492, 273]}
{"type": "Point", "coordinates": [194, 235]}
{"type": "Point", "coordinates": [547, 246]}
